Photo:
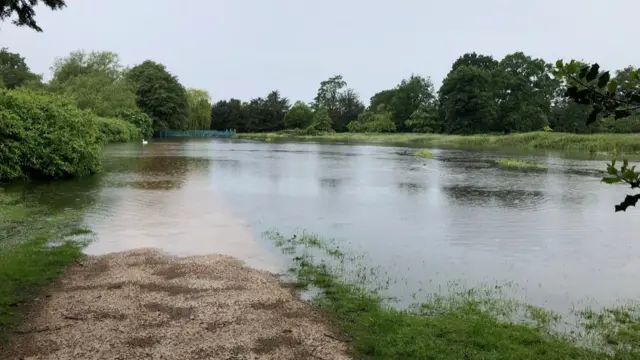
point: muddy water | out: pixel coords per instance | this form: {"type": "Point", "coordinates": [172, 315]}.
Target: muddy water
{"type": "Point", "coordinates": [455, 220]}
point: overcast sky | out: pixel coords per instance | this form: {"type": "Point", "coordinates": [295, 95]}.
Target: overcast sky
{"type": "Point", "coordinates": [245, 48]}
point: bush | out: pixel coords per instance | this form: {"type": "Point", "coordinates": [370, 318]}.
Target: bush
{"type": "Point", "coordinates": [116, 130]}
{"type": "Point", "coordinates": [45, 136]}
{"type": "Point", "coordinates": [141, 121]}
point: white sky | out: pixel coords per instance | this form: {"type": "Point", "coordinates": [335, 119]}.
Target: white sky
{"type": "Point", "coordinates": [246, 48]}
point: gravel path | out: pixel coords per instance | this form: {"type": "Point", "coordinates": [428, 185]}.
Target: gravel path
{"type": "Point", "coordinates": [143, 304]}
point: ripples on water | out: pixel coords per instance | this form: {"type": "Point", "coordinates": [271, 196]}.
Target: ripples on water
{"type": "Point", "coordinates": [427, 221]}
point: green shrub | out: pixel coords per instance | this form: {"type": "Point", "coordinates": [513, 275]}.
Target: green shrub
{"type": "Point", "coordinates": [46, 136]}
{"type": "Point", "coordinates": [141, 120]}
{"type": "Point", "coordinates": [116, 130]}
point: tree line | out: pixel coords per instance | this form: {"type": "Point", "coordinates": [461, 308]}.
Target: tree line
{"type": "Point", "coordinates": [479, 95]}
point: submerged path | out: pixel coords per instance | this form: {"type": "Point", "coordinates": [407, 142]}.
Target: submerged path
{"type": "Point", "coordinates": [144, 304]}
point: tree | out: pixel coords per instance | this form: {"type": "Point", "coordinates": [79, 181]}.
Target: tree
{"type": "Point", "coordinates": [322, 121]}
{"type": "Point", "coordinates": [588, 85]}
{"type": "Point", "coordinates": [376, 122]}
{"type": "Point", "coordinates": [199, 112]}
{"type": "Point", "coordinates": [424, 119]}
{"type": "Point", "coordinates": [524, 88]}
{"type": "Point", "coordinates": [404, 99]}
{"type": "Point", "coordinates": [410, 94]}
{"type": "Point", "coordinates": [349, 108]}
{"type": "Point", "coordinates": [95, 81]}
{"type": "Point", "coordinates": [328, 95]}
{"type": "Point", "coordinates": [476, 60]}
{"type": "Point", "coordinates": [14, 71]}
{"type": "Point", "coordinates": [299, 117]}
{"type": "Point", "coordinates": [24, 11]}
{"type": "Point", "coordinates": [80, 63]}
{"type": "Point", "coordinates": [467, 101]}
{"type": "Point", "coordinates": [160, 95]}
{"type": "Point", "coordinates": [229, 115]}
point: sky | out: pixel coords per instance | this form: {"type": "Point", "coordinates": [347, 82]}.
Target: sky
{"type": "Point", "coordinates": [246, 48]}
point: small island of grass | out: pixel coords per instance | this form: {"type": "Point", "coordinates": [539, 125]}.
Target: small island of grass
{"type": "Point", "coordinates": [424, 153]}
{"type": "Point", "coordinates": [521, 164]}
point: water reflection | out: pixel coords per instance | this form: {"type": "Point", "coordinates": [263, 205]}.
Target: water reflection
{"type": "Point", "coordinates": [506, 198]}
{"type": "Point", "coordinates": [163, 199]}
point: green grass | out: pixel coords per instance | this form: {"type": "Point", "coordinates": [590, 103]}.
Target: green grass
{"type": "Point", "coordinates": [606, 143]}
{"type": "Point", "coordinates": [463, 325]}
{"type": "Point", "coordinates": [521, 164]}
{"type": "Point", "coordinates": [424, 153]}
{"type": "Point", "coordinates": [36, 245]}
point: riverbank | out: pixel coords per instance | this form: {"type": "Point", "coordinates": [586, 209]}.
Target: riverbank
{"type": "Point", "coordinates": [472, 324]}
{"type": "Point", "coordinates": [623, 143]}
{"type": "Point", "coordinates": [143, 303]}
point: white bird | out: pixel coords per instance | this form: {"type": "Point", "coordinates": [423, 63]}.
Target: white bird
{"type": "Point", "coordinates": [144, 142]}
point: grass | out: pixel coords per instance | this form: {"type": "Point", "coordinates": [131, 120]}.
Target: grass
{"type": "Point", "coordinates": [521, 164]}
{"type": "Point", "coordinates": [36, 245]}
{"type": "Point", "coordinates": [464, 325]}
{"type": "Point", "coordinates": [605, 143]}
{"type": "Point", "coordinates": [424, 153]}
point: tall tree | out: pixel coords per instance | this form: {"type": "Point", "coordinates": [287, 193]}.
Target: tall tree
{"type": "Point", "coordinates": [467, 101]}
{"type": "Point", "coordinates": [349, 108]}
{"type": "Point", "coordinates": [229, 114]}
{"type": "Point", "coordinates": [199, 109]}
{"type": "Point", "coordinates": [410, 94]}
{"type": "Point", "coordinates": [160, 95]}
{"type": "Point", "coordinates": [14, 71]}
{"type": "Point", "coordinates": [328, 95]}
{"type": "Point", "coordinates": [95, 81]}
{"type": "Point", "coordinates": [24, 11]}
{"type": "Point", "coordinates": [524, 90]}
{"type": "Point", "coordinates": [477, 60]}
{"type": "Point", "coordinates": [80, 63]}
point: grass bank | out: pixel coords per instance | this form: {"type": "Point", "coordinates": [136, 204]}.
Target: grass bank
{"type": "Point", "coordinates": [623, 143]}
{"type": "Point", "coordinates": [466, 325]}
{"type": "Point", "coordinates": [521, 164]}
{"type": "Point", "coordinates": [36, 245]}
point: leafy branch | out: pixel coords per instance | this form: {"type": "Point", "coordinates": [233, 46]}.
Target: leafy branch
{"type": "Point", "coordinates": [587, 85]}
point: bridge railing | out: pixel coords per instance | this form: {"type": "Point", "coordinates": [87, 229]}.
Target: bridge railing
{"type": "Point", "coordinates": [195, 133]}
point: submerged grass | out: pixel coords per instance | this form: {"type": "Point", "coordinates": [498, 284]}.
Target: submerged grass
{"type": "Point", "coordinates": [521, 164]}
{"type": "Point", "coordinates": [465, 325]}
{"type": "Point", "coordinates": [424, 153]}
{"type": "Point", "coordinates": [36, 246]}
{"type": "Point", "coordinates": [623, 143]}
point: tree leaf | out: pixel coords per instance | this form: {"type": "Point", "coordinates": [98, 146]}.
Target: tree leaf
{"type": "Point", "coordinates": [611, 180]}
{"type": "Point", "coordinates": [593, 72]}
{"type": "Point", "coordinates": [630, 175]}
{"type": "Point", "coordinates": [604, 79]}
{"type": "Point", "coordinates": [583, 71]}
{"type": "Point", "coordinates": [572, 67]}
{"type": "Point", "coordinates": [613, 86]}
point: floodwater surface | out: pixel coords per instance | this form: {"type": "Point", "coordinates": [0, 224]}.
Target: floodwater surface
{"type": "Point", "coordinates": [429, 223]}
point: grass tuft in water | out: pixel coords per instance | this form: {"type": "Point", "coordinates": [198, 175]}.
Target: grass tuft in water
{"type": "Point", "coordinates": [424, 153]}
{"type": "Point", "coordinates": [465, 325]}
{"type": "Point", "coordinates": [521, 164]}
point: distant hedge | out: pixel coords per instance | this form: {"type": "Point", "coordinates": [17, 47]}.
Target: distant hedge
{"type": "Point", "coordinates": [46, 136]}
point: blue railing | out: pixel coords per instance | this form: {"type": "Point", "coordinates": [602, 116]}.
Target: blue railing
{"type": "Point", "coordinates": [194, 133]}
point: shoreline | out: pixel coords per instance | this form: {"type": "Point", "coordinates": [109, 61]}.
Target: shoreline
{"type": "Point", "coordinates": [145, 303]}
{"type": "Point", "coordinates": [589, 143]}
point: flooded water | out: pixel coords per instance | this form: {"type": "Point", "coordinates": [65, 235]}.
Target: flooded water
{"type": "Point", "coordinates": [454, 218]}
